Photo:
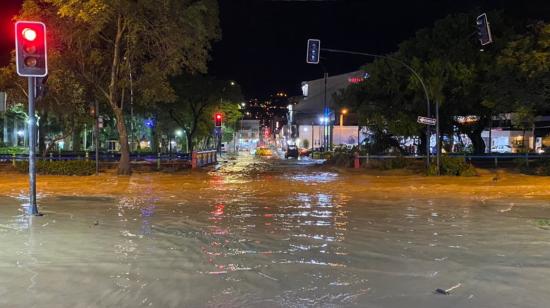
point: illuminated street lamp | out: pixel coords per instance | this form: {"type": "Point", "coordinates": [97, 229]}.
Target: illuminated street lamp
{"type": "Point", "coordinates": [342, 113]}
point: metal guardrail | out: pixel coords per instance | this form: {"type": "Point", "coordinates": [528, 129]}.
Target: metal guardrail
{"type": "Point", "coordinates": [106, 157]}
{"type": "Point", "coordinates": [493, 159]}
{"type": "Point", "coordinates": [203, 158]}
{"type": "Point", "coordinates": [197, 159]}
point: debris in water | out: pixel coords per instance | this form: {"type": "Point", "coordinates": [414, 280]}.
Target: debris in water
{"type": "Point", "coordinates": [267, 276]}
{"type": "Point", "coordinates": [447, 291]}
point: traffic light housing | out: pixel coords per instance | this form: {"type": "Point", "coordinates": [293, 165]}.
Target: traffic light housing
{"type": "Point", "coordinates": [483, 30]}
{"type": "Point", "coordinates": [218, 119]}
{"type": "Point", "coordinates": [313, 51]}
{"type": "Point", "coordinates": [30, 49]}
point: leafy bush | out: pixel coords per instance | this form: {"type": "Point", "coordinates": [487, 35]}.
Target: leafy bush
{"type": "Point", "coordinates": [543, 223]}
{"type": "Point", "coordinates": [390, 163]}
{"type": "Point", "coordinates": [455, 166]}
{"type": "Point", "coordinates": [13, 150]}
{"type": "Point", "coordinates": [340, 158]}
{"type": "Point", "coordinates": [65, 167]}
{"type": "Point", "coordinates": [537, 167]}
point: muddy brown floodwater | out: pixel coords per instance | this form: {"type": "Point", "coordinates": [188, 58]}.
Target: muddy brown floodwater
{"type": "Point", "coordinates": [270, 233]}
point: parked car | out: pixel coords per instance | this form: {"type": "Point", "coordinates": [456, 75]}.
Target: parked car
{"type": "Point", "coordinates": [263, 151]}
{"type": "Point", "coordinates": [503, 148]}
{"type": "Point", "coordinates": [292, 151]}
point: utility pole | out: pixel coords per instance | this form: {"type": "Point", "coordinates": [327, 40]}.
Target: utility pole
{"type": "Point", "coordinates": [325, 116]}
{"type": "Point", "coordinates": [96, 137]}
{"type": "Point", "coordinates": [132, 135]}
{"type": "Point", "coordinates": [438, 144]}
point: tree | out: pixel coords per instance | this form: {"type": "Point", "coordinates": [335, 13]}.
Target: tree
{"type": "Point", "coordinates": [109, 40]}
{"type": "Point", "coordinates": [62, 109]}
{"type": "Point", "coordinates": [198, 98]}
{"type": "Point", "coordinates": [457, 75]}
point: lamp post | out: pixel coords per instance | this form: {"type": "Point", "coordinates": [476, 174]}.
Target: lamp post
{"type": "Point", "coordinates": [342, 114]}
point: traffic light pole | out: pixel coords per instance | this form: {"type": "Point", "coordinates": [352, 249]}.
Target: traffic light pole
{"type": "Point", "coordinates": [33, 208]}
{"type": "Point", "coordinates": [325, 115]}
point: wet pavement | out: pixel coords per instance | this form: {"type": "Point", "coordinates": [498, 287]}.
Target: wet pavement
{"type": "Point", "coordinates": [270, 233]}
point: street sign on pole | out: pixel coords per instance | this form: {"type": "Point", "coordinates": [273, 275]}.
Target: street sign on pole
{"type": "Point", "coordinates": [426, 121]}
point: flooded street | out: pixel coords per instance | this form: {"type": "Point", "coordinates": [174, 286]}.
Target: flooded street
{"type": "Point", "coordinates": [270, 233]}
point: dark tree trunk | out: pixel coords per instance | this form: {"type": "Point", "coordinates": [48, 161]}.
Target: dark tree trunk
{"type": "Point", "coordinates": [77, 139]}
{"type": "Point", "coordinates": [190, 143]}
{"type": "Point", "coordinates": [124, 163]}
{"type": "Point", "coordinates": [477, 142]}
{"type": "Point", "coordinates": [422, 146]}
{"type": "Point", "coordinates": [156, 133]}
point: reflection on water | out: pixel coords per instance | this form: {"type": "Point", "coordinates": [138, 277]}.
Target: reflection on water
{"type": "Point", "coordinates": [277, 239]}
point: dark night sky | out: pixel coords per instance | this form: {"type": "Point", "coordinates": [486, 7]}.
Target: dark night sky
{"type": "Point", "coordinates": [263, 43]}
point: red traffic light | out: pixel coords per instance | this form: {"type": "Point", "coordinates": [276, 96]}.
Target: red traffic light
{"type": "Point", "coordinates": [30, 49]}
{"type": "Point", "coordinates": [29, 34]}
{"type": "Point", "coordinates": [218, 119]}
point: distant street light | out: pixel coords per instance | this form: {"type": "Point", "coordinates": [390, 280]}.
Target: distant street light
{"type": "Point", "coordinates": [342, 113]}
{"type": "Point", "coordinates": [179, 133]}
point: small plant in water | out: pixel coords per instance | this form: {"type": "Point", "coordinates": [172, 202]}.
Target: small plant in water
{"type": "Point", "coordinates": [543, 223]}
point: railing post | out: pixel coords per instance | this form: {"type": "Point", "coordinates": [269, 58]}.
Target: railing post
{"type": "Point", "coordinates": [158, 161]}
{"type": "Point", "coordinates": [13, 159]}
{"type": "Point", "coordinates": [496, 162]}
{"type": "Point", "coordinates": [194, 159]}
{"type": "Point", "coordinates": [356, 163]}
{"type": "Point", "coordinates": [367, 158]}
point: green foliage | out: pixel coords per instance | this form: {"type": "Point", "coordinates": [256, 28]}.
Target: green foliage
{"type": "Point", "coordinates": [13, 150]}
{"type": "Point", "coordinates": [104, 49]}
{"type": "Point", "coordinates": [538, 167]}
{"type": "Point", "coordinates": [453, 166]}
{"type": "Point", "coordinates": [305, 143]}
{"type": "Point", "coordinates": [66, 167]}
{"type": "Point", "coordinates": [339, 158]}
{"type": "Point", "coordinates": [543, 223]}
{"type": "Point", "coordinates": [390, 164]}
{"type": "Point", "coordinates": [513, 72]}
{"type": "Point", "coordinates": [198, 98]}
